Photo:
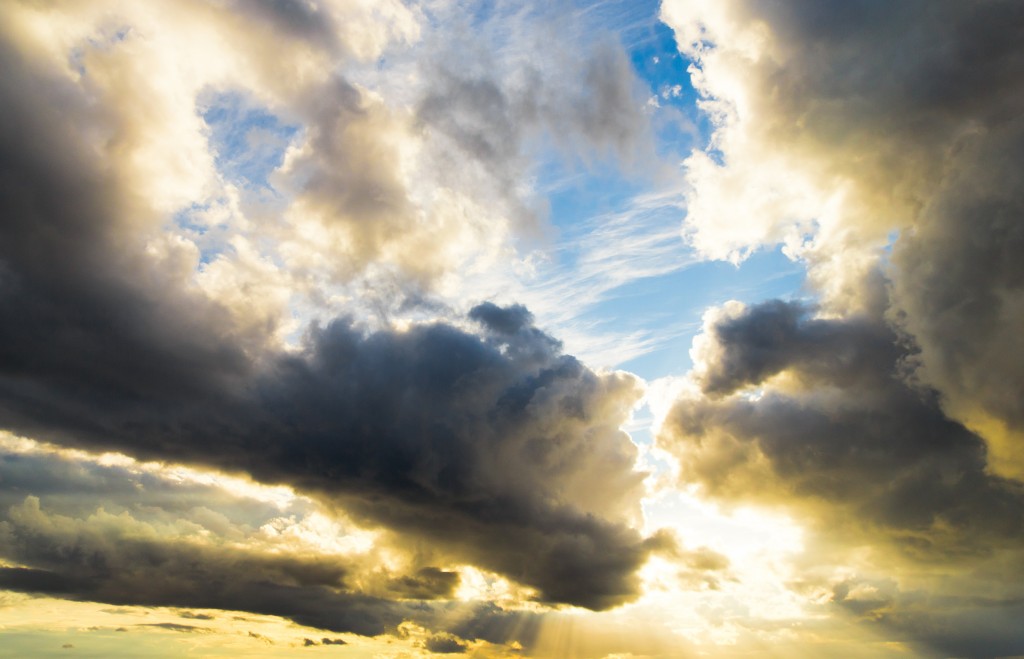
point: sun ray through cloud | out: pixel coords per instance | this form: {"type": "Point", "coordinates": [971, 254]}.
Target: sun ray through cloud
{"type": "Point", "coordinates": [593, 328]}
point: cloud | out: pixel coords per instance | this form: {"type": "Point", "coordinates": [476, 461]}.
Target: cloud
{"type": "Point", "coordinates": [497, 449]}
{"type": "Point", "coordinates": [874, 142]}
{"type": "Point", "coordinates": [832, 421]}
{"type": "Point", "coordinates": [196, 616]}
{"type": "Point", "coordinates": [427, 583]}
{"type": "Point", "coordinates": [848, 133]}
{"type": "Point", "coordinates": [840, 128]}
{"type": "Point", "coordinates": [580, 91]}
{"type": "Point", "coordinates": [308, 642]}
{"type": "Point", "coordinates": [155, 543]}
{"type": "Point", "coordinates": [445, 644]}
{"type": "Point", "coordinates": [91, 561]}
{"type": "Point", "coordinates": [177, 627]}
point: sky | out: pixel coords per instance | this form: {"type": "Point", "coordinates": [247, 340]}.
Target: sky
{"type": "Point", "coordinates": [589, 329]}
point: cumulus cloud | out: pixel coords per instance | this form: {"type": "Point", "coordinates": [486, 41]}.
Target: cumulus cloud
{"type": "Point", "coordinates": [814, 415]}
{"type": "Point", "coordinates": [876, 142]}
{"type": "Point", "coordinates": [491, 444]}
{"type": "Point", "coordinates": [834, 422]}
{"type": "Point", "coordinates": [498, 448]}
{"type": "Point", "coordinates": [841, 125]}
{"type": "Point", "coordinates": [490, 118]}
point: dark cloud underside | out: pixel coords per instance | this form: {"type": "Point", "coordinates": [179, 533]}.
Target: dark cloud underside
{"type": "Point", "coordinates": [497, 448]}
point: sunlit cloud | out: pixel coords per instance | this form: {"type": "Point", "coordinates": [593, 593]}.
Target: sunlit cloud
{"type": "Point", "coordinates": [432, 327]}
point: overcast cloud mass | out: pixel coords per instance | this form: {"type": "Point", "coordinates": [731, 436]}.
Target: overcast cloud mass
{"type": "Point", "coordinates": [587, 329]}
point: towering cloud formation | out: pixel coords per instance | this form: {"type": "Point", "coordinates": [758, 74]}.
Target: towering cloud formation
{"type": "Point", "coordinates": [880, 143]}
{"type": "Point", "coordinates": [842, 125]}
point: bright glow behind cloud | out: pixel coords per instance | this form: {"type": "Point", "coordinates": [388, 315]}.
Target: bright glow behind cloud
{"type": "Point", "coordinates": [267, 380]}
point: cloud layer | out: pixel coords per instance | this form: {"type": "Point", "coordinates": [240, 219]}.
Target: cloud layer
{"type": "Point", "coordinates": [265, 270]}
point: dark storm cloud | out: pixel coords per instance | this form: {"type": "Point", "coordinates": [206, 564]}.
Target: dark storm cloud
{"type": "Point", "coordinates": [453, 437]}
{"type": "Point", "coordinates": [847, 430]}
{"type": "Point", "coordinates": [498, 449]}
{"type": "Point", "coordinates": [70, 311]}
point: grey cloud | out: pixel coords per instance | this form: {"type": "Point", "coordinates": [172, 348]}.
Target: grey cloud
{"type": "Point", "coordinates": [490, 116]}
{"type": "Point", "coordinates": [496, 625]}
{"type": "Point", "coordinates": [777, 335]}
{"type": "Point", "coordinates": [701, 568]}
{"type": "Point", "coordinates": [176, 627]}
{"type": "Point", "coordinates": [917, 107]}
{"type": "Point", "coordinates": [609, 109]}
{"type": "Point", "coordinates": [108, 561]}
{"type": "Point", "coordinates": [850, 433]}
{"type": "Point", "coordinates": [962, 281]}
{"type": "Point", "coordinates": [308, 642]}
{"type": "Point", "coordinates": [864, 459]}
{"type": "Point", "coordinates": [493, 101]}
{"type": "Point", "coordinates": [884, 428]}
{"type": "Point", "coordinates": [104, 565]}
{"type": "Point", "coordinates": [498, 449]}
{"type": "Point", "coordinates": [502, 320]}
{"type": "Point", "coordinates": [427, 583]}
{"type": "Point", "coordinates": [348, 178]}
{"type": "Point", "coordinates": [298, 18]}
{"type": "Point", "coordinates": [933, 624]}
{"type": "Point", "coordinates": [195, 616]}
{"type": "Point", "coordinates": [77, 487]}
{"type": "Point", "coordinates": [445, 644]}
{"type": "Point", "coordinates": [117, 547]}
